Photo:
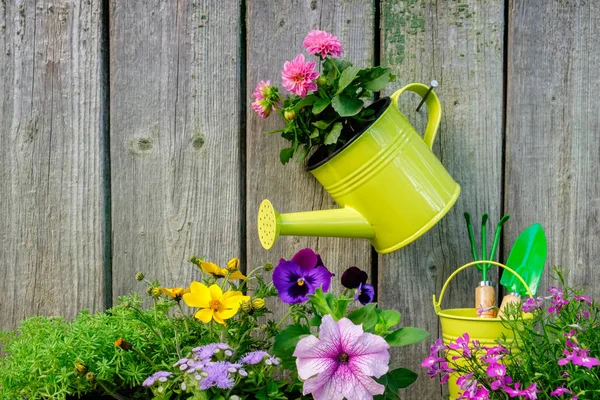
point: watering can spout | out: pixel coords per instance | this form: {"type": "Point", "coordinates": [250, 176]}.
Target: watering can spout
{"type": "Point", "coordinates": [340, 222]}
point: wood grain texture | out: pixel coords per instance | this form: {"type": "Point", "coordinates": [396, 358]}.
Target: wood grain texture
{"type": "Point", "coordinates": [52, 166]}
{"type": "Point", "coordinates": [552, 146]}
{"type": "Point", "coordinates": [275, 34]}
{"type": "Point", "coordinates": [460, 44]}
{"type": "Point", "coordinates": [175, 137]}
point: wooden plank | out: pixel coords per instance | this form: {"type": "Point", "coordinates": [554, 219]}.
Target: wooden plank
{"type": "Point", "coordinates": [460, 44]}
{"type": "Point", "coordinates": [274, 34]}
{"type": "Point", "coordinates": [52, 122]}
{"type": "Point", "coordinates": [552, 146]}
{"type": "Point", "coordinates": [175, 137]}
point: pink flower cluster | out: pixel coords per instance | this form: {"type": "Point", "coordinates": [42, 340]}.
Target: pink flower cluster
{"type": "Point", "coordinates": [558, 300]}
{"type": "Point", "coordinates": [576, 355]}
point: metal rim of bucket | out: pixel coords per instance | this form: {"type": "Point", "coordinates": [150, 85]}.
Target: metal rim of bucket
{"type": "Point", "coordinates": [437, 304]}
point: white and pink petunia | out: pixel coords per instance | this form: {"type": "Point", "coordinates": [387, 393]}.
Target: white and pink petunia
{"type": "Point", "coordinates": [342, 361]}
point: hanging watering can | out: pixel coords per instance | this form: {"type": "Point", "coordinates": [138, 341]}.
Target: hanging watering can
{"type": "Point", "coordinates": [389, 184]}
{"type": "Point", "coordinates": [457, 321]}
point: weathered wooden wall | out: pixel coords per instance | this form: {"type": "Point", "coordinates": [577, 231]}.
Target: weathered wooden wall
{"type": "Point", "coordinates": [127, 142]}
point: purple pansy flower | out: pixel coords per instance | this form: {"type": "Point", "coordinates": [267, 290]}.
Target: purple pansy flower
{"type": "Point", "coordinates": [365, 293]}
{"type": "Point", "coordinates": [160, 376]}
{"type": "Point", "coordinates": [302, 275]}
{"type": "Point", "coordinates": [353, 277]}
{"type": "Point", "coordinates": [342, 362]}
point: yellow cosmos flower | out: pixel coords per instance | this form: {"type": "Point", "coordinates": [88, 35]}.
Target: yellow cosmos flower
{"type": "Point", "coordinates": [213, 303]}
{"type": "Point", "coordinates": [175, 293]}
{"type": "Point", "coordinates": [218, 272]}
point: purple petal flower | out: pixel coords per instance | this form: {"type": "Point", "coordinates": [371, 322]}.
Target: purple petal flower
{"type": "Point", "coordinates": [299, 277]}
{"type": "Point", "coordinates": [217, 375]}
{"type": "Point", "coordinates": [584, 360]}
{"type": "Point", "coordinates": [587, 299]}
{"type": "Point", "coordinates": [342, 361]}
{"type": "Point", "coordinates": [160, 376]}
{"type": "Point", "coordinates": [496, 370]}
{"type": "Point", "coordinates": [365, 293]}
{"type": "Point", "coordinates": [353, 277]}
{"type": "Point", "coordinates": [559, 391]}
{"type": "Point", "coordinates": [255, 357]}
{"type": "Point", "coordinates": [532, 304]}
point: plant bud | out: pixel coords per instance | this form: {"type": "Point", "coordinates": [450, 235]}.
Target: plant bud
{"type": "Point", "coordinates": [139, 276]}
{"type": "Point", "coordinates": [246, 306]}
{"type": "Point", "coordinates": [156, 292]}
{"type": "Point", "coordinates": [258, 304]}
{"type": "Point", "coordinates": [233, 264]}
{"type": "Point", "coordinates": [268, 267]}
{"type": "Point", "coordinates": [123, 344]}
{"type": "Point", "coordinates": [149, 290]}
{"type": "Point", "coordinates": [80, 368]}
{"type": "Point", "coordinates": [90, 376]}
{"type": "Point", "coordinates": [289, 115]}
{"type": "Point", "coordinates": [321, 80]}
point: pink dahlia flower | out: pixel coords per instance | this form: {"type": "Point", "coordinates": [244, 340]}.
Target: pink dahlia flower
{"type": "Point", "coordinates": [262, 108]}
{"type": "Point", "coordinates": [262, 90]}
{"type": "Point", "coordinates": [322, 43]}
{"type": "Point", "coordinates": [298, 76]}
{"type": "Point", "coordinates": [342, 361]}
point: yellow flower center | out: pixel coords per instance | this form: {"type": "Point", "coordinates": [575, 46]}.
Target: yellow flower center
{"type": "Point", "coordinates": [300, 282]}
{"type": "Point", "coordinates": [214, 305]}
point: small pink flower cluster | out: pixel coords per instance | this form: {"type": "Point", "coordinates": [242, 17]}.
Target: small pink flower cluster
{"type": "Point", "coordinates": [576, 355]}
{"type": "Point", "coordinates": [558, 300]}
{"type": "Point", "coordinates": [298, 75]}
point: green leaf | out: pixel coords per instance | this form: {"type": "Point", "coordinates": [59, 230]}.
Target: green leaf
{"type": "Point", "coordinates": [365, 315]}
{"type": "Point", "coordinates": [393, 381]}
{"type": "Point", "coordinates": [346, 106]}
{"type": "Point", "coordinates": [286, 155]}
{"type": "Point", "coordinates": [406, 336]}
{"type": "Point", "coordinates": [315, 321]}
{"type": "Point", "coordinates": [377, 80]}
{"type": "Point", "coordinates": [346, 78]}
{"type": "Point", "coordinates": [332, 136]}
{"type": "Point", "coordinates": [303, 153]}
{"type": "Point", "coordinates": [390, 318]}
{"type": "Point", "coordinates": [322, 124]}
{"type": "Point", "coordinates": [307, 101]}
{"type": "Point", "coordinates": [274, 131]}
{"type": "Point", "coordinates": [325, 303]}
{"type": "Point", "coordinates": [314, 134]}
{"type": "Point", "coordinates": [286, 341]}
{"type": "Point", "coordinates": [320, 105]}
{"type": "Point", "coordinates": [341, 64]}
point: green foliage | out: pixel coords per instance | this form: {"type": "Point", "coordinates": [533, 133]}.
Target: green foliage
{"type": "Point", "coordinates": [395, 380]}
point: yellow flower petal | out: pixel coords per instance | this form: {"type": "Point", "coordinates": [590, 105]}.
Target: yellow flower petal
{"type": "Point", "coordinates": [199, 295]}
{"type": "Point", "coordinates": [225, 314]}
{"type": "Point", "coordinates": [204, 315]}
{"type": "Point", "coordinates": [215, 292]}
{"type": "Point", "coordinates": [213, 269]}
{"type": "Point", "coordinates": [218, 319]}
{"type": "Point", "coordinates": [232, 299]}
{"type": "Point", "coordinates": [237, 275]}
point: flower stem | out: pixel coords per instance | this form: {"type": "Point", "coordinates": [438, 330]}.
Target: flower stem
{"type": "Point", "coordinates": [187, 329]}
{"type": "Point", "coordinates": [284, 318]}
{"type": "Point", "coordinates": [333, 64]}
{"type": "Point", "coordinates": [145, 357]}
{"type": "Point", "coordinates": [111, 393]}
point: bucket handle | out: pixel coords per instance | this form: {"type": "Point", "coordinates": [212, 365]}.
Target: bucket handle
{"type": "Point", "coordinates": [437, 304]}
{"type": "Point", "coordinates": [434, 109]}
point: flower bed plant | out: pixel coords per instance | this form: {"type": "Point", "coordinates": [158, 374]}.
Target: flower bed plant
{"type": "Point", "coordinates": [325, 109]}
{"type": "Point", "coordinates": [214, 340]}
{"type": "Point", "coordinates": [555, 354]}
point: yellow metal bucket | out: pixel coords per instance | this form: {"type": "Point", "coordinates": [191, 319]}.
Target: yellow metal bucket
{"type": "Point", "coordinates": [458, 321]}
{"type": "Point", "coordinates": [389, 184]}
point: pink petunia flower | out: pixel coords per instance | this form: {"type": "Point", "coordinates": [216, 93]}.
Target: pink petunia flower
{"type": "Point", "coordinates": [298, 76]}
{"type": "Point", "coordinates": [262, 90]}
{"type": "Point", "coordinates": [322, 43]}
{"type": "Point", "coordinates": [342, 361]}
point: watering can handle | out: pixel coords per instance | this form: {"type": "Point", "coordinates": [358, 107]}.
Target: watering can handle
{"type": "Point", "coordinates": [434, 109]}
{"type": "Point", "coordinates": [437, 304]}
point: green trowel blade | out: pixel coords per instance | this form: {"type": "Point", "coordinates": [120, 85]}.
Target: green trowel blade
{"type": "Point", "coordinates": [527, 258]}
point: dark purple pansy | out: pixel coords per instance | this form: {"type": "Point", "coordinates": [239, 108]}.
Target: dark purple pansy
{"type": "Point", "coordinates": [365, 293]}
{"type": "Point", "coordinates": [353, 277]}
{"type": "Point", "coordinates": [302, 275]}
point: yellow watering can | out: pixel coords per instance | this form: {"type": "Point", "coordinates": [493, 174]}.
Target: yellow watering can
{"type": "Point", "coordinates": [457, 321]}
{"type": "Point", "coordinates": [389, 184]}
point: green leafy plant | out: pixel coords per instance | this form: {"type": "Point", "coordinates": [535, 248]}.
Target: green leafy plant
{"type": "Point", "coordinates": [325, 110]}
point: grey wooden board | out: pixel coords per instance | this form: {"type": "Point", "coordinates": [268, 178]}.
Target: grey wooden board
{"type": "Point", "coordinates": [52, 167]}
{"type": "Point", "coordinates": [275, 34]}
{"type": "Point", "coordinates": [552, 138]}
{"type": "Point", "coordinates": [460, 44]}
{"type": "Point", "coordinates": [175, 129]}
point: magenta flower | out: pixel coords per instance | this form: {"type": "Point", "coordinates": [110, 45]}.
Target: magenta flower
{"type": "Point", "coordinates": [263, 108]}
{"type": "Point", "coordinates": [342, 361]}
{"type": "Point", "coordinates": [322, 43]}
{"type": "Point", "coordinates": [298, 76]}
{"type": "Point", "coordinates": [262, 90]}
{"type": "Point", "coordinates": [559, 391]}
{"type": "Point", "coordinates": [496, 370]}
{"type": "Point", "coordinates": [301, 276]}
{"type": "Point", "coordinates": [532, 304]}
{"type": "Point", "coordinates": [582, 359]}
{"type": "Point", "coordinates": [586, 299]}
{"type": "Point", "coordinates": [461, 345]}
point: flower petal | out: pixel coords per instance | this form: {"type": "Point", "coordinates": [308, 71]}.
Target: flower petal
{"type": "Point", "coordinates": [329, 333]}
{"type": "Point", "coordinates": [225, 314]}
{"type": "Point", "coordinates": [237, 275]}
{"type": "Point", "coordinates": [204, 315]}
{"type": "Point", "coordinates": [306, 259]}
{"type": "Point", "coordinates": [367, 343]}
{"type": "Point", "coordinates": [318, 277]}
{"type": "Point", "coordinates": [198, 296]}
{"type": "Point", "coordinates": [373, 364]}
{"type": "Point", "coordinates": [215, 292]}
{"type": "Point", "coordinates": [285, 279]}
